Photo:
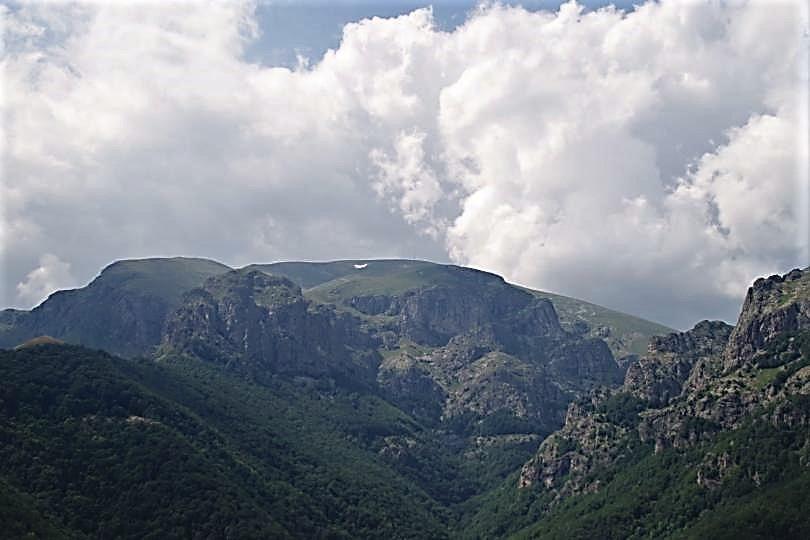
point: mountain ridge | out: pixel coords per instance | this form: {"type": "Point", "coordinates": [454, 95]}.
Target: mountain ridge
{"type": "Point", "coordinates": [143, 292]}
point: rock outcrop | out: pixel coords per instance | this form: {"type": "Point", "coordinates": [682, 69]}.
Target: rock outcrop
{"type": "Point", "coordinates": [587, 441]}
{"type": "Point", "coordinates": [481, 346]}
{"type": "Point", "coordinates": [432, 316]}
{"type": "Point", "coordinates": [262, 325]}
{"type": "Point", "coordinates": [772, 306]}
{"type": "Point", "coordinates": [122, 311]}
{"type": "Point", "coordinates": [468, 345]}
{"type": "Point", "coordinates": [459, 301]}
{"type": "Point", "coordinates": [660, 375]}
{"type": "Point", "coordinates": [688, 388]}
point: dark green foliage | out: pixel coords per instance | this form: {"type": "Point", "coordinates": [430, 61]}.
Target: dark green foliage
{"type": "Point", "coordinates": [622, 409]}
{"type": "Point", "coordinates": [504, 422]}
{"type": "Point", "coordinates": [133, 449]}
{"type": "Point", "coordinates": [497, 462]}
{"type": "Point", "coordinates": [757, 495]}
{"type": "Point", "coordinates": [21, 518]}
{"type": "Point", "coordinates": [462, 423]}
{"type": "Point", "coordinates": [92, 446]}
{"type": "Point", "coordinates": [777, 511]}
{"type": "Point", "coordinates": [503, 511]}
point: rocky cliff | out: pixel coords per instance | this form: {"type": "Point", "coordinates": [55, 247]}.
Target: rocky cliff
{"type": "Point", "coordinates": [772, 306]}
{"type": "Point", "coordinates": [659, 376]}
{"type": "Point", "coordinates": [466, 346]}
{"type": "Point", "coordinates": [123, 310]}
{"type": "Point", "coordinates": [262, 325]}
{"type": "Point", "coordinates": [480, 346]}
{"type": "Point", "coordinates": [689, 388]}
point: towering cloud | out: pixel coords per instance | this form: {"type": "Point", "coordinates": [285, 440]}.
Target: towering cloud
{"type": "Point", "coordinates": [654, 161]}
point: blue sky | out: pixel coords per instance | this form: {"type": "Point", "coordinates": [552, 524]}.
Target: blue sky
{"type": "Point", "coordinates": [309, 28]}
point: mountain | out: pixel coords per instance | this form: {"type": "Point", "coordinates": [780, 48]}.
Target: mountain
{"type": "Point", "coordinates": [453, 345]}
{"type": "Point", "coordinates": [707, 437]}
{"type": "Point", "coordinates": [361, 399]}
{"type": "Point", "coordinates": [122, 310]}
{"type": "Point", "coordinates": [282, 416]}
{"type": "Point", "coordinates": [373, 403]}
{"type": "Point", "coordinates": [261, 324]}
{"type": "Point", "coordinates": [340, 281]}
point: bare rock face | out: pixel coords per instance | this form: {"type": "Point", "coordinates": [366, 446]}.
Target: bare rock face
{"type": "Point", "coordinates": [462, 348]}
{"type": "Point", "coordinates": [659, 376]}
{"type": "Point", "coordinates": [410, 385]}
{"type": "Point", "coordinates": [434, 315]}
{"type": "Point", "coordinates": [651, 406]}
{"type": "Point", "coordinates": [714, 469]}
{"type": "Point", "coordinates": [511, 357]}
{"type": "Point", "coordinates": [472, 377]}
{"type": "Point", "coordinates": [262, 324]}
{"type": "Point", "coordinates": [376, 304]}
{"type": "Point", "coordinates": [588, 440]}
{"type": "Point", "coordinates": [461, 301]}
{"type": "Point", "coordinates": [469, 345]}
{"type": "Point", "coordinates": [772, 306]}
{"type": "Point", "coordinates": [99, 316]}
{"type": "Point", "coordinates": [580, 364]}
{"type": "Point", "coordinates": [498, 382]}
{"type": "Point", "coordinates": [724, 384]}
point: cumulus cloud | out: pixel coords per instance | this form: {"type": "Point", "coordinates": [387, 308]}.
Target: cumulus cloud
{"type": "Point", "coordinates": [408, 180]}
{"type": "Point", "coordinates": [653, 160]}
{"type": "Point", "coordinates": [646, 160]}
{"type": "Point", "coordinates": [51, 274]}
{"type": "Point", "coordinates": [585, 146]}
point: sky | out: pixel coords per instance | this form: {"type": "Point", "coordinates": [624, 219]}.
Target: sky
{"type": "Point", "coordinates": [307, 28]}
{"type": "Point", "coordinates": [651, 158]}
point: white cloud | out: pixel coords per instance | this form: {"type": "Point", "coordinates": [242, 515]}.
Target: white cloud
{"type": "Point", "coordinates": [408, 179]}
{"type": "Point", "coordinates": [584, 139]}
{"type": "Point", "coordinates": [51, 274]}
{"type": "Point", "coordinates": [645, 160]}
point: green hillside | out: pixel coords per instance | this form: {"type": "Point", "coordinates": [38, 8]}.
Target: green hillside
{"type": "Point", "coordinates": [311, 274]}
{"type": "Point", "coordinates": [122, 310]}
{"type": "Point", "coordinates": [624, 334]}
{"type": "Point", "coordinates": [98, 446]}
{"type": "Point", "coordinates": [166, 278]}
